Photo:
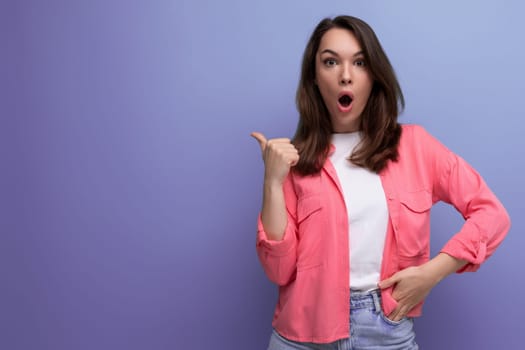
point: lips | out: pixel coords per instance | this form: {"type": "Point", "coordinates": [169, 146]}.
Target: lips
{"type": "Point", "coordinates": [344, 101]}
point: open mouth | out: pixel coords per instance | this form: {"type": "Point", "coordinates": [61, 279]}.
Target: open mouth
{"type": "Point", "coordinates": [345, 100]}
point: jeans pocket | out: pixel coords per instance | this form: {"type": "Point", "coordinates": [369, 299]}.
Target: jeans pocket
{"type": "Point", "coordinates": [391, 322]}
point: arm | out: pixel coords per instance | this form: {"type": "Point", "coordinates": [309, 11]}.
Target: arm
{"type": "Point", "coordinates": [486, 224]}
{"type": "Point", "coordinates": [486, 220]}
{"type": "Point", "coordinates": [279, 156]}
{"type": "Point", "coordinates": [276, 237]}
{"type": "Point", "coordinates": [273, 213]}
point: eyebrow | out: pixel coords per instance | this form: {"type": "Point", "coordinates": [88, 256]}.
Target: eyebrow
{"type": "Point", "coordinates": [358, 53]}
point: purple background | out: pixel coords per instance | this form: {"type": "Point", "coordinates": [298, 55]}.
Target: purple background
{"type": "Point", "coordinates": [130, 186]}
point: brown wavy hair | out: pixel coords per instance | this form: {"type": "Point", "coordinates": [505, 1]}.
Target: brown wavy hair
{"type": "Point", "coordinates": [378, 123]}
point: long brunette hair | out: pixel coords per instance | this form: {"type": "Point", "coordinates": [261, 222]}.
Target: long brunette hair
{"type": "Point", "coordinates": [378, 122]}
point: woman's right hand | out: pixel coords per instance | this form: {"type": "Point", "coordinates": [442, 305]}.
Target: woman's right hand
{"type": "Point", "coordinates": [279, 156]}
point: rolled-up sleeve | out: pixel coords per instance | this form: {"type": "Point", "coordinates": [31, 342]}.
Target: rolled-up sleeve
{"type": "Point", "coordinates": [279, 258]}
{"type": "Point", "coordinates": [486, 220]}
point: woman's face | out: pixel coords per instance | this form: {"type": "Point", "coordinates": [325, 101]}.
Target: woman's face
{"type": "Point", "coordinates": [343, 78]}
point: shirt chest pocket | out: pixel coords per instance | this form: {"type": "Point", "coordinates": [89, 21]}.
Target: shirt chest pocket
{"type": "Point", "coordinates": [308, 204]}
{"type": "Point", "coordinates": [413, 228]}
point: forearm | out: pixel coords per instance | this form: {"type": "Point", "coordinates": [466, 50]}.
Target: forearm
{"type": "Point", "coordinates": [443, 265]}
{"type": "Point", "coordinates": [273, 214]}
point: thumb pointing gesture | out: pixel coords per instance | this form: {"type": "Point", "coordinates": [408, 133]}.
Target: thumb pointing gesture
{"type": "Point", "coordinates": [260, 138]}
{"type": "Point", "coordinates": [278, 155]}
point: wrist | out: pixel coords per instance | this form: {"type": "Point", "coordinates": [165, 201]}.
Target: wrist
{"type": "Point", "coordinates": [433, 271]}
{"type": "Point", "coordinates": [272, 184]}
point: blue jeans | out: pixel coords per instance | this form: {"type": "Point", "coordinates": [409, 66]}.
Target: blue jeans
{"type": "Point", "coordinates": [370, 329]}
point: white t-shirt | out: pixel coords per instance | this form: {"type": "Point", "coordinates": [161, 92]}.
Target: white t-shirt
{"type": "Point", "coordinates": [367, 213]}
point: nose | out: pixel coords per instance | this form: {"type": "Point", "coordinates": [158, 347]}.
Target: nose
{"type": "Point", "coordinates": [346, 77]}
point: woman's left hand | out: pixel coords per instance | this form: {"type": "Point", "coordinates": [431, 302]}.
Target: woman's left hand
{"type": "Point", "coordinates": [411, 286]}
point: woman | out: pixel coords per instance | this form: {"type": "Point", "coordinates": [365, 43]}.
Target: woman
{"type": "Point", "coordinates": [344, 228]}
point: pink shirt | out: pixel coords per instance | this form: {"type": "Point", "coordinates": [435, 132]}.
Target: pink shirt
{"type": "Point", "coordinates": [311, 263]}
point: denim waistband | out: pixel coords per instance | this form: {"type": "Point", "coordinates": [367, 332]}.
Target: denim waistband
{"type": "Point", "coordinates": [365, 300]}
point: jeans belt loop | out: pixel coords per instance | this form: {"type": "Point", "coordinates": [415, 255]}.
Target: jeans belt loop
{"type": "Point", "coordinates": [377, 302]}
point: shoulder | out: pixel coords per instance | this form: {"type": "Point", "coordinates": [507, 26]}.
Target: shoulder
{"type": "Point", "coordinates": [415, 139]}
{"type": "Point", "coordinates": [411, 131]}
{"type": "Point", "coordinates": [416, 135]}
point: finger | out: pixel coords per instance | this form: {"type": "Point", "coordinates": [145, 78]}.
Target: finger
{"type": "Point", "coordinates": [395, 315]}
{"type": "Point", "coordinates": [294, 160]}
{"type": "Point", "coordinates": [260, 138]}
{"type": "Point", "coordinates": [388, 282]}
{"type": "Point", "coordinates": [291, 152]}
{"type": "Point", "coordinates": [281, 144]}
{"type": "Point", "coordinates": [392, 315]}
{"type": "Point", "coordinates": [281, 140]}
{"type": "Point", "coordinates": [281, 147]}
{"type": "Point", "coordinates": [401, 313]}
{"type": "Point", "coordinates": [398, 317]}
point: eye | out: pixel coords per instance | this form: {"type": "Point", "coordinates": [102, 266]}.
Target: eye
{"type": "Point", "coordinates": [330, 62]}
{"type": "Point", "coordinates": [360, 63]}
